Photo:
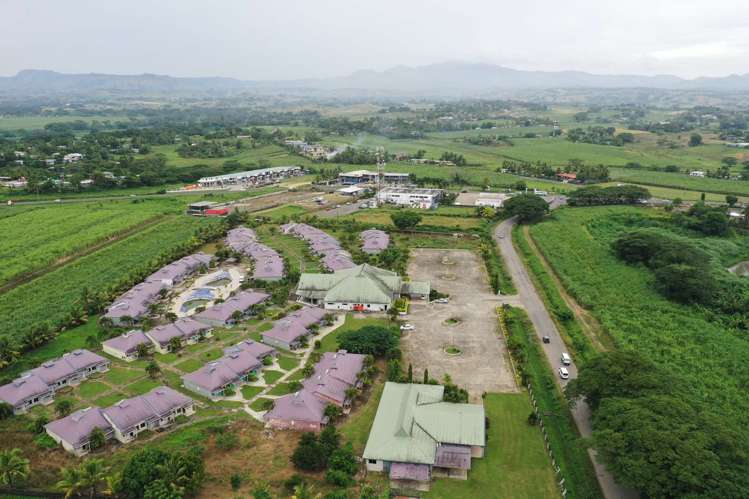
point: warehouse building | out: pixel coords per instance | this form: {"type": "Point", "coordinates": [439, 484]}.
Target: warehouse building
{"type": "Point", "coordinates": [411, 197]}
{"type": "Point", "coordinates": [250, 178]}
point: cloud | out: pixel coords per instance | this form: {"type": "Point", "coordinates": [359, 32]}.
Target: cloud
{"type": "Point", "coordinates": [699, 51]}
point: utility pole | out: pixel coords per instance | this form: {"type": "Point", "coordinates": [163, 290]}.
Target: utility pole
{"type": "Point", "coordinates": [380, 174]}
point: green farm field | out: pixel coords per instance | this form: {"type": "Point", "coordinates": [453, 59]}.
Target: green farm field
{"type": "Point", "coordinates": [51, 297]}
{"type": "Point", "coordinates": [275, 155]}
{"type": "Point", "coordinates": [686, 340]}
{"type": "Point", "coordinates": [11, 123]}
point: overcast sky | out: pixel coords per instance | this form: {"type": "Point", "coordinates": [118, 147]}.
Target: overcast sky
{"type": "Point", "coordinates": [277, 39]}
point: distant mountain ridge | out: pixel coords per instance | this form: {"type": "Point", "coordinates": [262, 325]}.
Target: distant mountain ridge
{"type": "Point", "coordinates": [443, 78]}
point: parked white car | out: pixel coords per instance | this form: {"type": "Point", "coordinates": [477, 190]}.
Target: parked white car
{"type": "Point", "coordinates": [442, 300]}
{"type": "Point", "coordinates": [566, 359]}
{"type": "Point", "coordinates": [407, 327]}
{"type": "Point", "coordinates": [563, 373]}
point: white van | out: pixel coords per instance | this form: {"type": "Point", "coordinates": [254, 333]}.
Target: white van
{"type": "Point", "coordinates": [566, 359]}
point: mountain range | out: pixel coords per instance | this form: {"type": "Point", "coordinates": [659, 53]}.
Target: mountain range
{"type": "Point", "coordinates": [450, 78]}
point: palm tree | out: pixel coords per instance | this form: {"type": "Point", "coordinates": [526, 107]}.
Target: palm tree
{"type": "Point", "coordinates": [86, 478]}
{"type": "Point", "coordinates": [13, 467]}
{"type": "Point", "coordinates": [302, 491]}
{"type": "Point", "coordinates": [153, 370]}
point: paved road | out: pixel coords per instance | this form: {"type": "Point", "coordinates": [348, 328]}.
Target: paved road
{"type": "Point", "coordinates": [529, 299]}
{"type": "Point", "coordinates": [344, 209]}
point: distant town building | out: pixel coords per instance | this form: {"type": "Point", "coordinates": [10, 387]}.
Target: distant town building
{"type": "Point", "coordinates": [411, 197]}
{"type": "Point", "coordinates": [697, 173]}
{"type": "Point", "coordinates": [250, 178]}
{"type": "Point", "coordinates": [73, 157]}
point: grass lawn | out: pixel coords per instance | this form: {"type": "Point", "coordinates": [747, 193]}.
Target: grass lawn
{"type": "Point", "coordinates": [250, 391]}
{"type": "Point", "coordinates": [297, 376]}
{"type": "Point", "coordinates": [330, 342]}
{"type": "Point", "coordinates": [281, 389]}
{"type": "Point", "coordinates": [168, 358]}
{"type": "Point", "coordinates": [91, 389]}
{"type": "Point", "coordinates": [272, 376]}
{"type": "Point", "coordinates": [515, 463]}
{"type": "Point", "coordinates": [287, 363]}
{"type": "Point", "coordinates": [382, 217]}
{"type": "Point", "coordinates": [276, 214]}
{"type": "Point", "coordinates": [110, 399]}
{"type": "Point", "coordinates": [190, 365]}
{"type": "Point", "coordinates": [266, 326]}
{"type": "Point", "coordinates": [356, 426]}
{"type": "Point", "coordinates": [211, 354]}
{"type": "Point", "coordinates": [122, 376]}
{"type": "Point", "coordinates": [142, 386]}
{"type": "Point", "coordinates": [258, 404]}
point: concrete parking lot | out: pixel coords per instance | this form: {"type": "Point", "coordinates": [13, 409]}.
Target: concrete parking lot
{"type": "Point", "coordinates": [468, 322]}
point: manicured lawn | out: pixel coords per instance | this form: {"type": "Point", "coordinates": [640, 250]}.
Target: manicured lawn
{"type": "Point", "coordinates": [287, 363]}
{"type": "Point", "coordinates": [258, 404]}
{"type": "Point", "coordinates": [168, 358]}
{"type": "Point", "coordinates": [266, 326]}
{"type": "Point", "coordinates": [91, 389]}
{"type": "Point", "coordinates": [190, 365]}
{"type": "Point", "coordinates": [272, 376]}
{"type": "Point", "coordinates": [250, 391]}
{"type": "Point", "coordinates": [297, 376]}
{"type": "Point", "coordinates": [281, 389]}
{"type": "Point", "coordinates": [110, 399]}
{"type": "Point", "coordinates": [515, 463]}
{"type": "Point", "coordinates": [330, 342]}
{"type": "Point", "coordinates": [122, 376]}
{"type": "Point", "coordinates": [211, 354]}
{"type": "Point", "coordinates": [142, 386]}
{"type": "Point", "coordinates": [356, 426]}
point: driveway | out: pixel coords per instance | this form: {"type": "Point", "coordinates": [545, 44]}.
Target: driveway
{"type": "Point", "coordinates": [529, 299]}
{"type": "Point", "coordinates": [481, 365]}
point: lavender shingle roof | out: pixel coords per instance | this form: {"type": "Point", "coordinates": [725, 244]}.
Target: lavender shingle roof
{"type": "Point", "coordinates": [374, 240]}
{"type": "Point", "coordinates": [182, 328]}
{"type": "Point", "coordinates": [133, 411]}
{"type": "Point", "coordinates": [239, 302]}
{"type": "Point", "coordinates": [295, 325]}
{"type": "Point", "coordinates": [268, 263]}
{"type": "Point", "coordinates": [333, 256]}
{"type": "Point", "coordinates": [23, 388]}
{"type": "Point", "coordinates": [299, 406]}
{"type": "Point", "coordinates": [69, 364]}
{"type": "Point", "coordinates": [226, 370]}
{"type": "Point", "coordinates": [77, 427]}
{"type": "Point", "coordinates": [128, 342]}
{"type": "Point", "coordinates": [256, 349]}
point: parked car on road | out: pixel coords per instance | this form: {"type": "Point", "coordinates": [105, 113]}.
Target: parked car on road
{"type": "Point", "coordinates": [442, 300]}
{"type": "Point", "coordinates": [407, 327]}
{"type": "Point", "coordinates": [566, 359]}
{"type": "Point", "coordinates": [563, 373]}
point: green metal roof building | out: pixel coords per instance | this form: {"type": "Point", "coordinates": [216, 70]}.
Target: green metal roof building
{"type": "Point", "coordinates": [364, 288]}
{"type": "Point", "coordinates": [415, 435]}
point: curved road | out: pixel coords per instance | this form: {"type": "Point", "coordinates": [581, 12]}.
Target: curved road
{"type": "Point", "coordinates": [528, 298]}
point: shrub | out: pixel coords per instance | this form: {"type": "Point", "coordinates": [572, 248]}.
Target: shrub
{"type": "Point", "coordinates": [236, 481]}
{"type": "Point", "coordinates": [227, 441]}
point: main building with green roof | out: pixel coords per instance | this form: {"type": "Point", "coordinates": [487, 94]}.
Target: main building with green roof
{"type": "Point", "coordinates": [416, 435]}
{"type": "Point", "coordinates": [361, 288]}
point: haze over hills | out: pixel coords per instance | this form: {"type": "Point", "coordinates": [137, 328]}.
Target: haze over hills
{"type": "Point", "coordinates": [451, 78]}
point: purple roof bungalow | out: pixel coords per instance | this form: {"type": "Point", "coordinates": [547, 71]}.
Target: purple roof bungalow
{"type": "Point", "coordinates": [82, 360]}
{"type": "Point", "coordinates": [183, 328]}
{"type": "Point", "coordinates": [176, 271]}
{"type": "Point", "coordinates": [333, 256]}
{"type": "Point", "coordinates": [76, 428]}
{"type": "Point", "coordinates": [268, 263]}
{"type": "Point", "coordinates": [374, 241]}
{"type": "Point", "coordinates": [334, 374]}
{"type": "Point", "coordinates": [255, 348]}
{"type": "Point", "coordinates": [223, 312]}
{"type": "Point", "coordinates": [287, 331]}
{"type": "Point", "coordinates": [134, 303]}
{"type": "Point", "coordinates": [126, 343]}
{"type": "Point", "coordinates": [131, 412]}
{"type": "Point", "coordinates": [24, 388]}
{"type": "Point", "coordinates": [299, 406]}
{"type": "Point", "coordinates": [339, 260]}
{"type": "Point", "coordinates": [210, 379]}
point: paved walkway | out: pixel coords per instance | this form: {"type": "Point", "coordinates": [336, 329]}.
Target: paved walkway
{"type": "Point", "coordinates": [527, 297]}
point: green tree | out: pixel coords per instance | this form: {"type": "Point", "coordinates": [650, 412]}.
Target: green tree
{"type": "Point", "coordinates": [371, 340]}
{"type": "Point", "coordinates": [731, 200]}
{"type": "Point", "coordinates": [96, 439]}
{"type": "Point", "coordinates": [153, 369]}
{"type": "Point", "coordinates": [63, 407]}
{"type": "Point", "coordinates": [529, 208]}
{"type": "Point", "coordinates": [143, 350]}
{"type": "Point", "coordinates": [695, 140]}
{"type": "Point", "coordinates": [309, 455]}
{"type": "Point", "coordinates": [405, 219]}
{"type": "Point", "coordinates": [13, 467]}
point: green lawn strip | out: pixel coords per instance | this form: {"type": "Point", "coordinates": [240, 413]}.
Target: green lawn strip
{"type": "Point", "coordinates": [211, 355]}
{"type": "Point", "coordinates": [356, 426]}
{"type": "Point", "coordinates": [266, 326]}
{"type": "Point", "coordinates": [515, 463]}
{"type": "Point", "coordinates": [499, 279]}
{"type": "Point", "coordinates": [288, 363]}
{"type": "Point", "coordinates": [296, 376]}
{"type": "Point", "coordinates": [330, 342]}
{"type": "Point", "coordinates": [573, 335]}
{"type": "Point", "coordinates": [90, 389]}
{"type": "Point", "coordinates": [190, 365]}
{"type": "Point", "coordinates": [168, 358]}
{"type": "Point", "coordinates": [271, 377]}
{"type": "Point", "coordinates": [250, 391]}
{"type": "Point", "coordinates": [122, 376]}
{"type": "Point", "coordinates": [259, 404]}
{"type": "Point", "coordinates": [281, 389]}
{"type": "Point", "coordinates": [110, 399]}
{"type": "Point", "coordinates": [142, 386]}
{"type": "Point", "coordinates": [568, 446]}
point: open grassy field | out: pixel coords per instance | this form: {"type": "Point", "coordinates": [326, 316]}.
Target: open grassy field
{"type": "Point", "coordinates": [686, 340]}
{"type": "Point", "coordinates": [515, 464]}
{"type": "Point", "coordinates": [276, 214]}
{"type": "Point", "coordinates": [680, 181]}
{"type": "Point", "coordinates": [51, 297]}
{"type": "Point", "coordinates": [10, 123]}
{"type": "Point", "coordinates": [36, 238]}
{"type": "Point", "coordinates": [275, 155]}
{"type": "Point", "coordinates": [294, 249]}
{"type": "Point", "coordinates": [381, 216]}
